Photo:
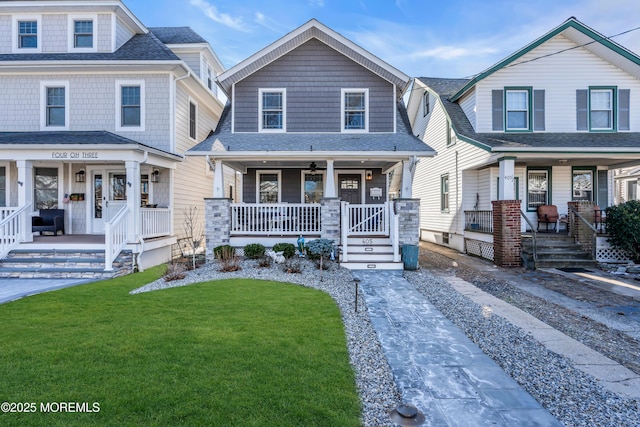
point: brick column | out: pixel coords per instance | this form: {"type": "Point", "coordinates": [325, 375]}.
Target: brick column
{"type": "Point", "coordinates": [408, 211]}
{"type": "Point", "coordinates": [330, 219]}
{"type": "Point", "coordinates": [581, 233]}
{"type": "Point", "coordinates": [217, 227]}
{"type": "Point", "coordinates": [507, 237]}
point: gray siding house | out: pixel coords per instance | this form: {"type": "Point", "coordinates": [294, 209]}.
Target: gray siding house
{"type": "Point", "coordinates": [97, 112]}
{"type": "Point", "coordinates": [321, 145]}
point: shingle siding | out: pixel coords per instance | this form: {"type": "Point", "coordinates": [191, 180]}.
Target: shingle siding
{"type": "Point", "coordinates": [54, 33]}
{"type": "Point", "coordinates": [103, 36]}
{"type": "Point", "coordinates": [314, 75]}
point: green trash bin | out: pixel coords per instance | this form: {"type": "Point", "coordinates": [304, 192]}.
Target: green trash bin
{"type": "Point", "coordinates": [410, 257]}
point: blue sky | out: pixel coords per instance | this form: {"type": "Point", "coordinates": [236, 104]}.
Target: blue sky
{"type": "Point", "coordinates": [452, 38]}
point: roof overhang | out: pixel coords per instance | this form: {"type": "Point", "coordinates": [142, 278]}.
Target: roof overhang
{"type": "Point", "coordinates": [312, 29]}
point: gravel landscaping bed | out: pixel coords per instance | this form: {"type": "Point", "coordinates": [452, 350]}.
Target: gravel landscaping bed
{"type": "Point", "coordinates": [376, 387]}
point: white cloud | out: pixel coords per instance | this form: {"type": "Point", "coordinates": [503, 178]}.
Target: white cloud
{"type": "Point", "coordinates": [222, 18]}
{"type": "Point", "coordinates": [269, 23]}
{"type": "Point", "coordinates": [452, 52]}
{"type": "Point", "coordinates": [318, 3]}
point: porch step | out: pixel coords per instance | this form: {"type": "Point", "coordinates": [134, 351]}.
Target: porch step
{"type": "Point", "coordinates": [56, 263]}
{"type": "Point", "coordinates": [555, 251]}
{"type": "Point", "coordinates": [370, 253]}
{"type": "Point", "coordinates": [363, 265]}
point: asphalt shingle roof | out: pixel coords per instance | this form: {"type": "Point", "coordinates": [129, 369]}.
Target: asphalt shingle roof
{"type": "Point", "coordinates": [445, 88]}
{"type": "Point", "coordinates": [177, 35]}
{"type": "Point", "coordinates": [403, 140]}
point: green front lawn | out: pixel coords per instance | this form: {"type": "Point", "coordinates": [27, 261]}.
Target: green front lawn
{"type": "Point", "coordinates": [220, 353]}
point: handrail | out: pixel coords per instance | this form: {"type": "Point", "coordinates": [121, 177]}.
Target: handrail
{"type": "Point", "coordinates": [11, 231]}
{"type": "Point", "coordinates": [344, 235]}
{"type": "Point", "coordinates": [594, 238]}
{"type": "Point", "coordinates": [533, 235]}
{"type": "Point", "coordinates": [115, 236]}
{"type": "Point", "coordinates": [395, 231]}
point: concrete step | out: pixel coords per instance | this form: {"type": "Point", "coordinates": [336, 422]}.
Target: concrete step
{"type": "Point", "coordinates": [565, 263]}
{"type": "Point", "coordinates": [363, 265]}
{"type": "Point", "coordinates": [368, 240]}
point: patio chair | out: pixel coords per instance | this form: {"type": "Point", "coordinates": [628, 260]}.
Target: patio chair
{"type": "Point", "coordinates": [548, 214]}
{"type": "Point", "coordinates": [48, 220]}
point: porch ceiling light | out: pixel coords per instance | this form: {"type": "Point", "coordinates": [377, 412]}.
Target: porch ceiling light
{"type": "Point", "coordinates": [155, 175]}
{"type": "Point", "coordinates": [368, 175]}
{"type": "Point", "coordinates": [562, 161]}
{"type": "Point", "coordinates": [80, 175]}
{"type": "Point", "coordinates": [313, 167]}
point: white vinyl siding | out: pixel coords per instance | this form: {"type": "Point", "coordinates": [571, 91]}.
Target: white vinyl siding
{"type": "Point", "coordinates": [468, 104]}
{"type": "Point", "coordinates": [560, 76]}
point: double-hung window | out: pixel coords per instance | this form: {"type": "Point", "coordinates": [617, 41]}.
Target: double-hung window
{"type": "Point", "coordinates": [83, 34]}
{"type": "Point", "coordinates": [518, 109]}
{"type": "Point", "coordinates": [27, 34]}
{"type": "Point", "coordinates": [444, 193]}
{"type": "Point", "coordinates": [426, 107]}
{"type": "Point", "coordinates": [355, 117]}
{"type": "Point", "coordinates": [130, 105]}
{"type": "Point", "coordinates": [601, 103]}
{"type": "Point", "coordinates": [272, 116]}
{"type": "Point", "coordinates": [583, 180]}
{"type": "Point", "coordinates": [54, 112]}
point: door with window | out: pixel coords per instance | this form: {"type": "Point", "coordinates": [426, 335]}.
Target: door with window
{"type": "Point", "coordinates": [349, 188]}
{"type": "Point", "coordinates": [108, 196]}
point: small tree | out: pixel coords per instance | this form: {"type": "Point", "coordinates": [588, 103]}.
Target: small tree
{"type": "Point", "coordinates": [193, 230]}
{"type": "Point", "coordinates": [319, 249]}
{"type": "Point", "coordinates": [623, 226]}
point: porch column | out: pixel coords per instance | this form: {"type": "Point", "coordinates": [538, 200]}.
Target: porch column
{"type": "Point", "coordinates": [133, 199]}
{"type": "Point", "coordinates": [25, 196]}
{"type": "Point", "coordinates": [582, 233]}
{"type": "Point", "coordinates": [507, 237]}
{"type": "Point", "coordinates": [330, 219]}
{"type": "Point", "coordinates": [217, 219]}
{"type": "Point", "coordinates": [218, 180]}
{"type": "Point", "coordinates": [330, 182]}
{"type": "Point", "coordinates": [408, 166]}
{"type": "Point", "coordinates": [408, 211]}
{"type": "Point", "coordinates": [506, 190]}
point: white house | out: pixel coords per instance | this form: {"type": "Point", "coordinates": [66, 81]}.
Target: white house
{"type": "Point", "coordinates": [545, 126]}
{"type": "Point", "coordinates": [97, 112]}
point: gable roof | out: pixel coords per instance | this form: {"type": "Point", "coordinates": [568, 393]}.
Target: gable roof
{"type": "Point", "coordinates": [177, 35]}
{"type": "Point", "coordinates": [223, 140]}
{"type": "Point", "coordinates": [583, 36]}
{"type": "Point", "coordinates": [317, 30]}
{"type": "Point", "coordinates": [594, 142]}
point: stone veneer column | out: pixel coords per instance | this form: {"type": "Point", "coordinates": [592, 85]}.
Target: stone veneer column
{"type": "Point", "coordinates": [330, 219]}
{"type": "Point", "coordinates": [408, 211]}
{"type": "Point", "coordinates": [582, 234]}
{"type": "Point", "coordinates": [507, 237]}
{"type": "Point", "coordinates": [217, 227]}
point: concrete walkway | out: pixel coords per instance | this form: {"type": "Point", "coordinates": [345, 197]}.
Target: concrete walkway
{"type": "Point", "coordinates": [13, 289]}
{"type": "Point", "coordinates": [436, 366]}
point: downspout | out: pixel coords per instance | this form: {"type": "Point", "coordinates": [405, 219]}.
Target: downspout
{"type": "Point", "coordinates": [457, 194]}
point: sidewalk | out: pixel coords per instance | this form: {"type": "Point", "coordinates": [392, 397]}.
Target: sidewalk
{"type": "Point", "coordinates": [436, 367]}
{"type": "Point", "coordinates": [13, 289]}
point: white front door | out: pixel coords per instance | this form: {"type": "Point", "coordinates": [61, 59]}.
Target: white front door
{"type": "Point", "coordinates": [108, 196]}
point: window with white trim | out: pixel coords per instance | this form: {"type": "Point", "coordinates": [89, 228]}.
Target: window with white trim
{"type": "Point", "coordinates": [601, 109]}
{"type": "Point", "coordinates": [272, 115]}
{"type": "Point", "coordinates": [268, 186]}
{"type": "Point", "coordinates": [444, 193]}
{"type": "Point", "coordinates": [26, 34]}
{"type": "Point", "coordinates": [426, 107]}
{"type": "Point", "coordinates": [130, 105]}
{"type": "Point", "coordinates": [81, 34]}
{"type": "Point", "coordinates": [193, 120]}
{"type": "Point", "coordinates": [583, 183]}
{"type": "Point", "coordinates": [517, 109]}
{"type": "Point", "coordinates": [355, 110]}
{"type": "Point", "coordinates": [54, 101]}
{"type": "Point", "coordinates": [45, 188]}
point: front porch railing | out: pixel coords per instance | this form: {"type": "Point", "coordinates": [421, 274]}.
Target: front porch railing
{"type": "Point", "coordinates": [276, 218]}
{"type": "Point", "coordinates": [115, 237]}
{"type": "Point", "coordinates": [155, 222]}
{"type": "Point", "coordinates": [11, 222]}
{"type": "Point", "coordinates": [480, 221]}
{"type": "Point", "coordinates": [368, 220]}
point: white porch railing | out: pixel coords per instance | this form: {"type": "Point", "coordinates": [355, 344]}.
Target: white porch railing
{"type": "Point", "coordinates": [368, 220]}
{"type": "Point", "coordinates": [394, 234]}
{"type": "Point", "coordinates": [11, 221]}
{"type": "Point", "coordinates": [155, 222]}
{"type": "Point", "coordinates": [115, 237]}
{"type": "Point", "coordinates": [281, 218]}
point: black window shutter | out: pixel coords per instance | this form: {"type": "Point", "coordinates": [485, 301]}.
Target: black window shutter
{"type": "Point", "coordinates": [624, 98]}
{"type": "Point", "coordinates": [538, 110]}
{"type": "Point", "coordinates": [581, 110]}
{"type": "Point", "coordinates": [497, 106]}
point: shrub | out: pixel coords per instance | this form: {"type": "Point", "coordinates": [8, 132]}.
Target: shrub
{"type": "Point", "coordinates": [623, 226]}
{"type": "Point", "coordinates": [228, 259]}
{"type": "Point", "coordinates": [219, 250]}
{"type": "Point", "coordinates": [287, 249]}
{"type": "Point", "coordinates": [175, 271]}
{"type": "Point", "coordinates": [254, 250]}
{"type": "Point", "coordinates": [264, 262]}
{"type": "Point", "coordinates": [319, 248]}
{"type": "Point", "coordinates": [292, 266]}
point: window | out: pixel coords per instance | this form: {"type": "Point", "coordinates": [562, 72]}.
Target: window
{"type": "Point", "coordinates": [130, 105]}
{"type": "Point", "coordinates": [313, 187]}
{"type": "Point", "coordinates": [444, 193]}
{"type": "Point", "coordinates": [3, 186]}
{"type": "Point", "coordinates": [272, 110]}
{"type": "Point", "coordinates": [269, 187]}
{"type": "Point", "coordinates": [27, 34]}
{"type": "Point", "coordinates": [582, 179]}
{"type": "Point", "coordinates": [518, 109]}
{"type": "Point", "coordinates": [209, 78]}
{"type": "Point", "coordinates": [45, 185]}
{"type": "Point", "coordinates": [193, 116]}
{"type": "Point", "coordinates": [538, 188]}
{"type": "Point", "coordinates": [601, 103]}
{"type": "Point", "coordinates": [450, 140]}
{"type": "Point", "coordinates": [632, 190]}
{"type": "Point", "coordinates": [425, 103]}
{"type": "Point", "coordinates": [83, 34]}
{"type": "Point", "coordinates": [354, 110]}
{"type": "Point", "coordinates": [54, 113]}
